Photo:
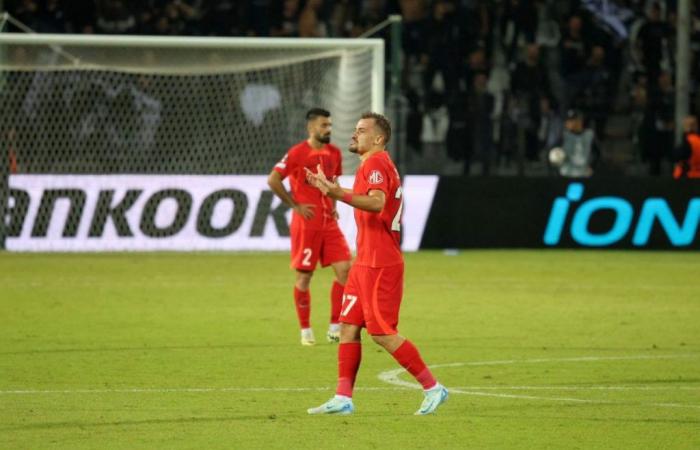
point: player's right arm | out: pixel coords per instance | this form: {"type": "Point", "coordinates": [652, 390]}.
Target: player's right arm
{"type": "Point", "coordinates": [274, 180]}
{"type": "Point", "coordinates": [372, 202]}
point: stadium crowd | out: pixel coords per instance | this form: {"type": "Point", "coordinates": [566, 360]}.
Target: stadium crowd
{"type": "Point", "coordinates": [490, 85]}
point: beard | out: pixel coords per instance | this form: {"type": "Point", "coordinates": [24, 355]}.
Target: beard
{"type": "Point", "coordinates": [353, 148]}
{"type": "Point", "coordinates": [323, 139]}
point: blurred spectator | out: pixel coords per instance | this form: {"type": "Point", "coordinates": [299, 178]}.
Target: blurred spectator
{"type": "Point", "coordinates": [287, 20]}
{"type": "Point", "coordinates": [174, 17]}
{"type": "Point", "coordinates": [53, 17]}
{"type": "Point", "coordinates": [642, 118]}
{"type": "Point", "coordinates": [480, 110]}
{"type": "Point", "coordinates": [26, 11]}
{"type": "Point", "coordinates": [458, 138]}
{"type": "Point", "coordinates": [477, 62]}
{"type": "Point", "coordinates": [573, 51]}
{"type": "Point", "coordinates": [222, 18]}
{"type": "Point", "coordinates": [529, 83]}
{"type": "Point", "coordinates": [310, 22]}
{"type": "Point", "coordinates": [470, 136]}
{"type": "Point", "coordinates": [475, 17]}
{"type": "Point", "coordinates": [372, 13]}
{"type": "Point", "coordinates": [414, 23]}
{"type": "Point", "coordinates": [414, 121]}
{"type": "Point", "coordinates": [81, 16]}
{"type": "Point", "coordinates": [184, 16]}
{"type": "Point", "coordinates": [594, 98]}
{"type": "Point", "coordinates": [579, 145]}
{"type": "Point", "coordinates": [662, 109]}
{"type": "Point", "coordinates": [443, 48]}
{"type": "Point", "coordinates": [550, 126]}
{"type": "Point", "coordinates": [436, 122]}
{"type": "Point", "coordinates": [687, 155]}
{"type": "Point", "coordinates": [258, 14]}
{"type": "Point", "coordinates": [652, 41]}
{"type": "Point", "coordinates": [519, 21]}
{"type": "Point", "coordinates": [343, 17]}
{"type": "Point", "coordinates": [115, 16]}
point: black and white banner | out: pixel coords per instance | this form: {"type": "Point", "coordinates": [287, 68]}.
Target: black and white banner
{"type": "Point", "coordinates": [172, 213]}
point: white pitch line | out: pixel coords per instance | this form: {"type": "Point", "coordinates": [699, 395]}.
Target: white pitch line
{"type": "Point", "coordinates": [575, 359]}
{"type": "Point", "coordinates": [572, 400]}
{"type": "Point", "coordinates": [392, 377]}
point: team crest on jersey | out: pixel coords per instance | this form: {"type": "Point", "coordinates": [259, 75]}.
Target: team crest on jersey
{"type": "Point", "coordinates": [375, 177]}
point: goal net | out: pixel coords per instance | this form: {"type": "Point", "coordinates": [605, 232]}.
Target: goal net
{"type": "Point", "coordinates": [162, 143]}
{"type": "Point", "coordinates": [168, 105]}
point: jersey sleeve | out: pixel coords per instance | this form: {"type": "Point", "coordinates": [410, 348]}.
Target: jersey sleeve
{"type": "Point", "coordinates": [286, 165]}
{"type": "Point", "coordinates": [376, 176]}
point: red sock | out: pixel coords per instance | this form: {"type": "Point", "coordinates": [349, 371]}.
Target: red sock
{"type": "Point", "coordinates": [349, 357]}
{"type": "Point", "coordinates": [407, 355]}
{"type": "Point", "coordinates": [336, 301]}
{"type": "Point", "coordinates": [302, 301]}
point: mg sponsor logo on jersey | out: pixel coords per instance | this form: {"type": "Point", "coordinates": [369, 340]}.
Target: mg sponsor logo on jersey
{"type": "Point", "coordinates": [180, 213]}
{"type": "Point", "coordinates": [375, 177]}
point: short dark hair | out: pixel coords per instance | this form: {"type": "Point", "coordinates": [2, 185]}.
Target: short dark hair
{"type": "Point", "coordinates": [317, 112]}
{"type": "Point", "coordinates": [380, 122]}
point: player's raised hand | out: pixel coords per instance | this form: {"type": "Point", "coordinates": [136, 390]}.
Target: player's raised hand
{"type": "Point", "coordinates": [323, 184]}
{"type": "Point", "coordinates": [314, 181]}
{"type": "Point", "coordinates": [333, 188]}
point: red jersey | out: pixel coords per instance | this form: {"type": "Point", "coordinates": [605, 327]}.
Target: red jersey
{"type": "Point", "coordinates": [379, 234]}
{"type": "Point", "coordinates": [292, 165]}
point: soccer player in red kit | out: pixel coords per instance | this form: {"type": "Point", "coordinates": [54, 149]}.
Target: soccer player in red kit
{"type": "Point", "coordinates": [373, 292]}
{"type": "Point", "coordinates": [315, 233]}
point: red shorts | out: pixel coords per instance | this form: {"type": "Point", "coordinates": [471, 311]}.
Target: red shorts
{"type": "Point", "coordinates": [308, 246]}
{"type": "Point", "coordinates": [372, 298]}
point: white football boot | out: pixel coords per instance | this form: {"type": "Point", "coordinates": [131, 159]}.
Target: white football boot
{"type": "Point", "coordinates": [307, 337]}
{"type": "Point", "coordinates": [434, 397]}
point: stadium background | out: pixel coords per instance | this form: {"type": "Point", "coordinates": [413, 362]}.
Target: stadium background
{"type": "Point", "coordinates": [482, 90]}
{"type": "Point", "coordinates": [542, 347]}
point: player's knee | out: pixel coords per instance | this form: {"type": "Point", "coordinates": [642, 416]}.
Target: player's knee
{"type": "Point", "coordinates": [390, 342]}
{"type": "Point", "coordinates": [349, 333]}
{"type": "Point", "coordinates": [303, 280]}
{"type": "Point", "coordinates": [342, 271]}
{"type": "Point", "coordinates": [380, 340]}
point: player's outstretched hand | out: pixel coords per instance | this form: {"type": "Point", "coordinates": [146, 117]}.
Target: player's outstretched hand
{"type": "Point", "coordinates": [317, 180]}
{"type": "Point", "coordinates": [323, 184]}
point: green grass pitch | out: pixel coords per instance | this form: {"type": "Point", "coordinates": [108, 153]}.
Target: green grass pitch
{"type": "Point", "coordinates": [542, 349]}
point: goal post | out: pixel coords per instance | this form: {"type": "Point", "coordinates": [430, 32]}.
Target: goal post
{"type": "Point", "coordinates": [189, 105]}
{"type": "Point", "coordinates": [118, 143]}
